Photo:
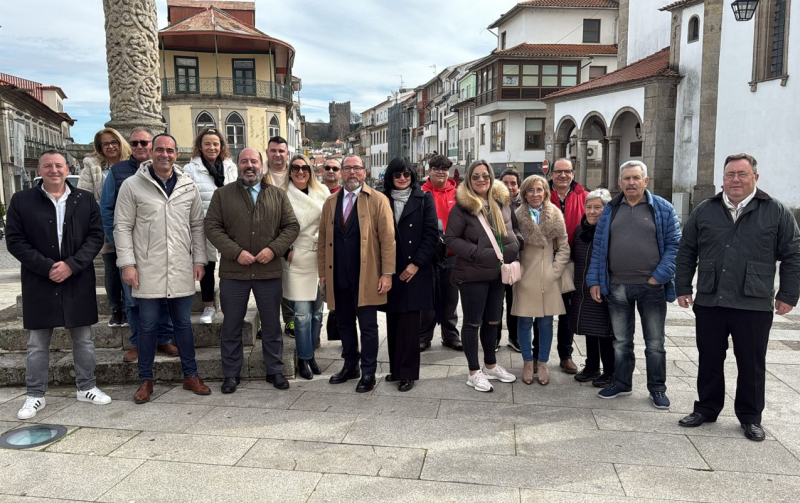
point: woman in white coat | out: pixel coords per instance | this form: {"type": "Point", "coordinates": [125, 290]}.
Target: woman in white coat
{"type": "Point", "coordinates": [211, 167]}
{"type": "Point", "coordinates": [300, 273]}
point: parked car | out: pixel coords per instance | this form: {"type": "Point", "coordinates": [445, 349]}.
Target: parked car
{"type": "Point", "coordinates": [72, 179]}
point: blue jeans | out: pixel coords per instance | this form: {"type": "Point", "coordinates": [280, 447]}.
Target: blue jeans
{"type": "Point", "coordinates": [651, 302]}
{"type": "Point", "coordinates": [180, 310]}
{"type": "Point", "coordinates": [307, 326]}
{"type": "Point", "coordinates": [164, 332]}
{"type": "Point", "coordinates": [524, 326]}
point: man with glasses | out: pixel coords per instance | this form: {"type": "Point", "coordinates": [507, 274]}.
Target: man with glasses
{"type": "Point", "coordinates": [161, 249]}
{"type": "Point", "coordinates": [443, 190]}
{"type": "Point", "coordinates": [356, 259]}
{"type": "Point", "coordinates": [510, 178]}
{"type": "Point", "coordinates": [734, 240]}
{"type": "Point", "coordinates": [141, 145]}
{"type": "Point", "coordinates": [570, 196]}
{"type": "Point", "coordinates": [331, 176]}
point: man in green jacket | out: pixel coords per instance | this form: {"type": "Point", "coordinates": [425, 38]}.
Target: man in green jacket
{"type": "Point", "coordinates": [252, 224]}
{"type": "Point", "coordinates": [734, 240]}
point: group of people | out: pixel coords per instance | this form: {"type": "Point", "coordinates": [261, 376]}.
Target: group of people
{"type": "Point", "coordinates": [547, 248]}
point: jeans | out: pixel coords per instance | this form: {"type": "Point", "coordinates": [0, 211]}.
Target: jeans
{"type": "Point", "coordinates": [164, 331]}
{"type": "Point", "coordinates": [180, 310]}
{"type": "Point", "coordinates": [481, 300]}
{"type": "Point", "coordinates": [307, 326]}
{"type": "Point", "coordinates": [207, 283]}
{"type": "Point", "coordinates": [37, 362]}
{"type": "Point", "coordinates": [652, 305]}
{"type": "Point", "coordinates": [448, 304]}
{"type": "Point", "coordinates": [112, 281]}
{"type": "Point", "coordinates": [524, 327]}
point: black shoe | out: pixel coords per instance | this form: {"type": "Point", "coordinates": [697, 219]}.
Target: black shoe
{"type": "Point", "coordinates": [456, 345]}
{"type": "Point", "coordinates": [514, 345]}
{"type": "Point", "coordinates": [229, 384]}
{"type": "Point", "coordinates": [278, 381]}
{"type": "Point", "coordinates": [258, 334]}
{"type": "Point", "coordinates": [304, 369]}
{"type": "Point", "coordinates": [603, 381]}
{"type": "Point", "coordinates": [405, 385]}
{"type": "Point", "coordinates": [366, 384]}
{"type": "Point", "coordinates": [314, 367]}
{"type": "Point", "coordinates": [116, 319]}
{"type": "Point", "coordinates": [423, 346]}
{"type": "Point", "coordinates": [345, 375]}
{"type": "Point", "coordinates": [587, 375]}
{"type": "Point", "coordinates": [695, 419]}
{"type": "Point", "coordinates": [389, 378]}
{"type": "Point", "coordinates": [754, 431]}
{"type": "Point", "coordinates": [124, 319]}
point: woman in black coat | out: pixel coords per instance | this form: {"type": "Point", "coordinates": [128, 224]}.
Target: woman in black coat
{"type": "Point", "coordinates": [416, 232]}
{"type": "Point", "coordinates": [587, 317]}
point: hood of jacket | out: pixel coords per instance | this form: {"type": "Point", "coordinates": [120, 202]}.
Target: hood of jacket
{"type": "Point", "coordinates": [181, 178]}
{"type": "Point", "coordinates": [449, 187]}
{"type": "Point", "coordinates": [551, 225]}
{"type": "Point", "coordinates": [473, 204]}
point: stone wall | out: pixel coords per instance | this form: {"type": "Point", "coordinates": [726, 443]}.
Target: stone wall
{"type": "Point", "coordinates": [659, 133]}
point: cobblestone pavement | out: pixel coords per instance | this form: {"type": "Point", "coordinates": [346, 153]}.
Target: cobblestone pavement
{"type": "Point", "coordinates": [442, 441]}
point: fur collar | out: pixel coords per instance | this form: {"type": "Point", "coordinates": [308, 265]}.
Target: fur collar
{"type": "Point", "coordinates": [551, 225]}
{"type": "Point", "coordinates": [473, 204]}
{"type": "Point", "coordinates": [307, 208]}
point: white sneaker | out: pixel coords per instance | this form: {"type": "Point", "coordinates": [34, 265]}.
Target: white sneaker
{"type": "Point", "coordinates": [32, 405]}
{"type": "Point", "coordinates": [479, 382]}
{"type": "Point", "coordinates": [208, 315]}
{"type": "Point", "coordinates": [498, 373]}
{"type": "Point", "coordinates": [94, 396]}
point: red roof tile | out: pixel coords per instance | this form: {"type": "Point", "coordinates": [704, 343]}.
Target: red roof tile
{"type": "Point", "coordinates": [654, 65]}
{"type": "Point", "coordinates": [558, 50]}
{"type": "Point", "coordinates": [572, 4]}
{"type": "Point", "coordinates": [214, 20]}
{"type": "Point", "coordinates": [680, 4]}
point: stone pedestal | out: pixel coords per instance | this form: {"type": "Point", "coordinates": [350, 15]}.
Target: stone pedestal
{"type": "Point", "coordinates": [132, 55]}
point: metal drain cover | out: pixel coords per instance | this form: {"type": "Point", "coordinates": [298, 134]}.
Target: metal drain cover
{"type": "Point", "coordinates": [32, 436]}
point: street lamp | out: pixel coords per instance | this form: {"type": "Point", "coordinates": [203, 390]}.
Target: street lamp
{"type": "Point", "coordinates": [638, 129]}
{"type": "Point", "coordinates": [743, 10]}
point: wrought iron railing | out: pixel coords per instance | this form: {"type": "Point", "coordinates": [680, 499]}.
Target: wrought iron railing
{"type": "Point", "coordinates": [226, 87]}
{"type": "Point", "coordinates": [34, 148]}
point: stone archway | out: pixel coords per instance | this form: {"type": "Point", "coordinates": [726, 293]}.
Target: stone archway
{"type": "Point", "coordinates": [624, 141]}
{"type": "Point", "coordinates": [565, 146]}
{"type": "Point", "coordinates": [592, 151]}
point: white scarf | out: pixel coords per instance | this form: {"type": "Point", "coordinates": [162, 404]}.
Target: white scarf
{"type": "Point", "coordinates": [400, 198]}
{"type": "Point", "coordinates": [307, 207]}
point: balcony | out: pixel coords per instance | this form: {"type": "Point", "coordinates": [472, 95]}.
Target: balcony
{"type": "Point", "coordinates": [33, 148]}
{"type": "Point", "coordinates": [227, 88]}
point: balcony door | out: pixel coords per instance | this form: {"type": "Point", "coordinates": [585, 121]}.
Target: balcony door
{"type": "Point", "coordinates": [186, 80]}
{"type": "Point", "coordinates": [244, 76]}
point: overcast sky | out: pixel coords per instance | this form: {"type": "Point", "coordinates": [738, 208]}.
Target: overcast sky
{"type": "Point", "coordinates": [352, 50]}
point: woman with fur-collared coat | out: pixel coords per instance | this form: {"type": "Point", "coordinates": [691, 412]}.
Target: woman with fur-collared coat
{"type": "Point", "coordinates": [543, 260]}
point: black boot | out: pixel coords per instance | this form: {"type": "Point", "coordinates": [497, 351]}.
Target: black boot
{"type": "Point", "coordinates": [314, 367]}
{"type": "Point", "coordinates": [303, 369]}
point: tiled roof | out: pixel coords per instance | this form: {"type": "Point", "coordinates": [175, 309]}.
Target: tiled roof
{"type": "Point", "coordinates": [210, 19]}
{"type": "Point", "coordinates": [572, 4]}
{"type": "Point", "coordinates": [558, 50]}
{"type": "Point", "coordinates": [680, 4]}
{"type": "Point", "coordinates": [654, 65]}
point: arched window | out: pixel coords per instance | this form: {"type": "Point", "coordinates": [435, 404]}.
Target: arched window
{"type": "Point", "coordinates": [234, 129]}
{"type": "Point", "coordinates": [694, 29]}
{"type": "Point", "coordinates": [204, 119]}
{"type": "Point", "coordinates": [274, 127]}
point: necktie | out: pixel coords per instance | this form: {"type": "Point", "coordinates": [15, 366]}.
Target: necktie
{"type": "Point", "coordinates": [349, 207]}
{"type": "Point", "coordinates": [252, 193]}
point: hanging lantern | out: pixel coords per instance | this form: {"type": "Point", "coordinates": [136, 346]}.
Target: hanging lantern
{"type": "Point", "coordinates": [743, 10]}
{"type": "Point", "coordinates": [638, 129]}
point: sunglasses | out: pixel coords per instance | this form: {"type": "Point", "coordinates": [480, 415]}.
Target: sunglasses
{"type": "Point", "coordinates": [143, 143]}
{"type": "Point", "coordinates": [485, 176]}
{"type": "Point", "coordinates": [404, 174]}
{"type": "Point", "coordinates": [331, 168]}
{"type": "Point", "coordinates": [296, 168]}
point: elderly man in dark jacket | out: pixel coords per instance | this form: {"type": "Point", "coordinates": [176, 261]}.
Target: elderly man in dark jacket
{"type": "Point", "coordinates": [55, 231]}
{"type": "Point", "coordinates": [734, 240]}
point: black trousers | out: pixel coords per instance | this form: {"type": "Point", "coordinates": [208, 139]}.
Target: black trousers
{"type": "Point", "coordinates": [750, 333]}
{"type": "Point", "coordinates": [449, 304]}
{"type": "Point", "coordinates": [402, 341]}
{"type": "Point", "coordinates": [511, 320]}
{"type": "Point", "coordinates": [600, 349]}
{"type": "Point", "coordinates": [565, 335]}
{"type": "Point", "coordinates": [347, 312]}
{"type": "Point", "coordinates": [207, 283]}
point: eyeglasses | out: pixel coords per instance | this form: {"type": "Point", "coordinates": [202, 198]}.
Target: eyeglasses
{"type": "Point", "coordinates": [331, 168]}
{"type": "Point", "coordinates": [563, 172]}
{"type": "Point", "coordinates": [404, 174]}
{"type": "Point", "coordinates": [440, 169]}
{"type": "Point", "coordinates": [143, 143]}
{"type": "Point", "coordinates": [162, 150]}
{"type": "Point", "coordinates": [296, 168]}
{"type": "Point", "coordinates": [485, 176]}
{"type": "Point", "coordinates": [533, 192]}
{"type": "Point", "coordinates": [741, 175]}
{"type": "Point", "coordinates": [357, 169]}
{"type": "Point", "coordinates": [113, 143]}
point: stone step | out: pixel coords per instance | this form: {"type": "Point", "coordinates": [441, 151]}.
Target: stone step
{"type": "Point", "coordinates": [13, 337]}
{"type": "Point", "coordinates": [110, 369]}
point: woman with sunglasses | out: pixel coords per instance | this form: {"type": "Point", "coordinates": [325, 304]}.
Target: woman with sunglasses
{"type": "Point", "coordinates": [416, 233]}
{"type": "Point", "coordinates": [109, 148]}
{"type": "Point", "coordinates": [477, 270]}
{"type": "Point", "coordinates": [211, 167]}
{"type": "Point", "coordinates": [300, 272]}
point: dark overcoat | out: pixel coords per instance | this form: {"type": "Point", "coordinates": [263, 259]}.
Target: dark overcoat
{"type": "Point", "coordinates": [32, 239]}
{"type": "Point", "coordinates": [586, 317]}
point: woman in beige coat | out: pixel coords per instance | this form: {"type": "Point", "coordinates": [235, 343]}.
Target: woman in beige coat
{"type": "Point", "coordinates": [544, 258]}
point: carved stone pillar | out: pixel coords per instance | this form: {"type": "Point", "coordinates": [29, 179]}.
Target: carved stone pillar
{"type": "Point", "coordinates": [132, 56]}
{"type": "Point", "coordinates": [583, 161]}
{"type": "Point", "coordinates": [613, 162]}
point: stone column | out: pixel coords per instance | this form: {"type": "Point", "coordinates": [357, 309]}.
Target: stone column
{"type": "Point", "coordinates": [605, 167]}
{"type": "Point", "coordinates": [583, 162]}
{"type": "Point", "coordinates": [613, 162]}
{"type": "Point", "coordinates": [132, 56]}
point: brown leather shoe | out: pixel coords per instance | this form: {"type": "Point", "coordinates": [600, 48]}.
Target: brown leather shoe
{"type": "Point", "coordinates": [196, 386]}
{"type": "Point", "coordinates": [527, 372]}
{"type": "Point", "coordinates": [542, 374]}
{"type": "Point", "coordinates": [568, 366]}
{"type": "Point", "coordinates": [131, 356]}
{"type": "Point", "coordinates": [168, 349]}
{"type": "Point", "coordinates": [142, 394]}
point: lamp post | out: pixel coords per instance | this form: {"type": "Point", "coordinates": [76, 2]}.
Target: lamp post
{"type": "Point", "coordinates": [743, 10]}
{"type": "Point", "coordinates": [638, 129]}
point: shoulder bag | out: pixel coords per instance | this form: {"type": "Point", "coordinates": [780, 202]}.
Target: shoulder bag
{"type": "Point", "coordinates": [510, 273]}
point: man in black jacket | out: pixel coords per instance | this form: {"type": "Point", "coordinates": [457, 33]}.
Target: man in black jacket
{"type": "Point", "coordinates": [55, 231]}
{"type": "Point", "coordinates": [734, 239]}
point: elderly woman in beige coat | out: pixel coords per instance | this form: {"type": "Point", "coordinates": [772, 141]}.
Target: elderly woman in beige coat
{"type": "Point", "coordinates": [544, 258]}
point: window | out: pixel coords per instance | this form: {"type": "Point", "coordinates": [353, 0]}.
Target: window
{"type": "Point", "coordinates": [472, 116]}
{"type": "Point", "coordinates": [203, 120]}
{"type": "Point", "coordinates": [525, 81]}
{"type": "Point", "coordinates": [503, 40]}
{"type": "Point", "coordinates": [636, 149]}
{"type": "Point", "coordinates": [596, 71]}
{"type": "Point", "coordinates": [244, 76]}
{"type": "Point", "coordinates": [483, 134]}
{"type": "Point", "coordinates": [274, 126]}
{"type": "Point", "coordinates": [234, 128]}
{"type": "Point", "coordinates": [694, 29]}
{"type": "Point", "coordinates": [771, 40]}
{"type": "Point", "coordinates": [591, 31]}
{"type": "Point", "coordinates": [471, 149]}
{"type": "Point", "coordinates": [498, 136]}
{"type": "Point", "coordinates": [534, 134]}
{"type": "Point", "coordinates": [186, 80]}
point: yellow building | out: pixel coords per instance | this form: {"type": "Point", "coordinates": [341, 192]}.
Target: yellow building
{"type": "Point", "coordinates": [218, 70]}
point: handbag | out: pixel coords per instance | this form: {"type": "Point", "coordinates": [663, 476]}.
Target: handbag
{"type": "Point", "coordinates": [567, 279]}
{"type": "Point", "coordinates": [509, 273]}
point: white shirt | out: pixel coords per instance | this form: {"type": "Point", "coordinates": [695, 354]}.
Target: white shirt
{"type": "Point", "coordinates": [346, 193]}
{"type": "Point", "coordinates": [735, 211]}
{"type": "Point", "coordinates": [61, 210]}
